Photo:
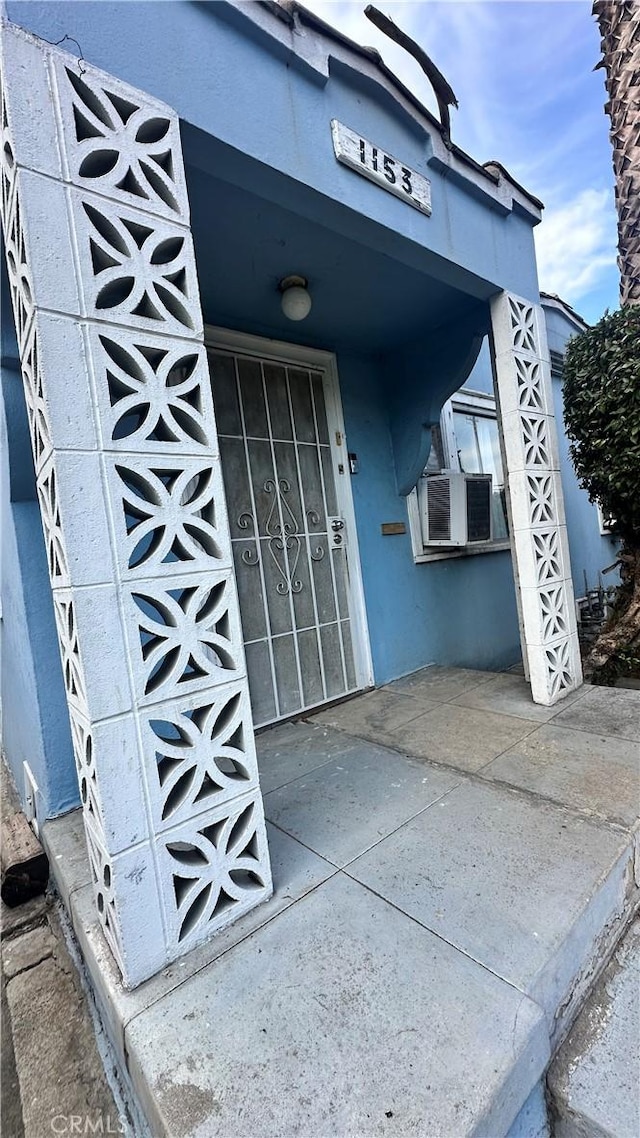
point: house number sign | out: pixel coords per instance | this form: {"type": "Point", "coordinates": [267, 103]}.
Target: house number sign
{"type": "Point", "coordinates": [379, 167]}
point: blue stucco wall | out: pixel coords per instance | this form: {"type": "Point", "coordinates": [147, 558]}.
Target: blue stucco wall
{"type": "Point", "coordinates": [242, 86]}
{"type": "Point", "coordinates": [591, 551]}
{"type": "Point", "coordinates": [271, 135]}
{"type": "Point", "coordinates": [35, 723]}
{"type": "Point", "coordinates": [456, 611]}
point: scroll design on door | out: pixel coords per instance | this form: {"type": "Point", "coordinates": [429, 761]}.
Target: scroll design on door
{"type": "Point", "coordinates": [284, 540]}
{"type": "Point", "coordinates": [318, 553]}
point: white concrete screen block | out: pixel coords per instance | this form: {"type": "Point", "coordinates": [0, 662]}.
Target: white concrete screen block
{"type": "Point", "coordinates": [536, 498]}
{"type": "Point", "coordinates": [167, 513]}
{"type": "Point", "coordinates": [184, 635]}
{"type": "Point", "coordinates": [545, 612]}
{"type": "Point", "coordinates": [29, 122]}
{"type": "Point", "coordinates": [119, 142]}
{"type": "Point", "coordinates": [200, 753]}
{"type": "Point", "coordinates": [46, 247]}
{"type": "Point", "coordinates": [215, 865]}
{"type": "Point", "coordinates": [526, 390]}
{"type": "Point", "coordinates": [66, 405]}
{"type": "Point", "coordinates": [109, 327]}
{"type": "Point", "coordinates": [37, 411]}
{"type": "Point", "coordinates": [18, 271]}
{"type": "Point", "coordinates": [530, 441]}
{"type": "Point", "coordinates": [128, 907]}
{"type": "Point", "coordinates": [116, 804]}
{"type": "Point", "coordinates": [540, 549]}
{"type": "Point", "coordinates": [92, 644]}
{"type": "Point", "coordinates": [135, 269]}
{"type": "Point", "coordinates": [542, 554]}
{"type": "Point", "coordinates": [153, 394]}
{"type": "Point", "coordinates": [68, 482]}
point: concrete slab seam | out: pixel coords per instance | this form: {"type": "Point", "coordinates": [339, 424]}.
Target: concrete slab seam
{"type": "Point", "coordinates": [251, 932]}
{"type": "Point", "coordinates": [383, 837]}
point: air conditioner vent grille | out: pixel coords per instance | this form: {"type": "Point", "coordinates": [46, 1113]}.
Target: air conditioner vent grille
{"type": "Point", "coordinates": [439, 508]}
{"type": "Point", "coordinates": [478, 510]}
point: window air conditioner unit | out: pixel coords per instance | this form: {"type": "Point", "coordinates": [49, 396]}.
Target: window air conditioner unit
{"type": "Point", "coordinates": [455, 508]}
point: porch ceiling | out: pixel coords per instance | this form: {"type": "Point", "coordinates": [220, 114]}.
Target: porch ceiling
{"type": "Point", "coordinates": [363, 300]}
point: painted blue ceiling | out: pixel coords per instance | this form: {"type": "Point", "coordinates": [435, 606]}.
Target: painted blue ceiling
{"type": "Point", "coordinates": [363, 300]}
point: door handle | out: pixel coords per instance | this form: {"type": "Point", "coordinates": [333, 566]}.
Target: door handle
{"type": "Point", "coordinates": [337, 524]}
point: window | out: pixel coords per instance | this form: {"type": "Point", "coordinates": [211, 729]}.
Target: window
{"type": "Point", "coordinates": [465, 440]}
{"type": "Point", "coordinates": [606, 524]}
{"type": "Point", "coordinates": [478, 450]}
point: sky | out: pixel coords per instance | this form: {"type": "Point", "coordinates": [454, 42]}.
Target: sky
{"type": "Point", "coordinates": [522, 71]}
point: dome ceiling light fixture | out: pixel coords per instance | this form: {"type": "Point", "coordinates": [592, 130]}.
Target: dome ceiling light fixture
{"type": "Point", "coordinates": [296, 302]}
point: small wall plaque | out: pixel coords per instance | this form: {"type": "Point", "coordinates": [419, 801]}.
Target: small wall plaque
{"type": "Point", "coordinates": [380, 167]}
{"type": "Point", "coordinates": [388, 528]}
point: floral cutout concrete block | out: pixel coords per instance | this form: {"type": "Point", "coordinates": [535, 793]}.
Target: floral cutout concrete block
{"type": "Point", "coordinates": [168, 514]}
{"type": "Point", "coordinates": [153, 393]}
{"type": "Point", "coordinates": [217, 868]}
{"type": "Point", "coordinates": [119, 142]}
{"type": "Point", "coordinates": [201, 754]}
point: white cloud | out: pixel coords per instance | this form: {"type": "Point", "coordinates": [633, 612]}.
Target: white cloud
{"type": "Point", "coordinates": [576, 244]}
{"type": "Point", "coordinates": [522, 73]}
{"type": "Point", "coordinates": [455, 33]}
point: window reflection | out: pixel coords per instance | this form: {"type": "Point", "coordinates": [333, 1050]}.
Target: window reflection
{"type": "Point", "coordinates": [478, 446]}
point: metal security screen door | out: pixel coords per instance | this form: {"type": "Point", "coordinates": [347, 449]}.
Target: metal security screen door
{"type": "Point", "coordinates": [284, 468]}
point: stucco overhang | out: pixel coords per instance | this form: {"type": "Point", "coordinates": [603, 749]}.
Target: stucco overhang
{"type": "Point", "coordinates": [428, 375]}
{"type": "Point", "coordinates": [265, 90]}
{"type": "Point", "coordinates": [318, 46]}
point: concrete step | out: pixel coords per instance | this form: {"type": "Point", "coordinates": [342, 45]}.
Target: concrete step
{"type": "Point", "coordinates": [594, 1080]}
{"type": "Point", "coordinates": [281, 1000]}
{"type": "Point", "coordinates": [441, 911]}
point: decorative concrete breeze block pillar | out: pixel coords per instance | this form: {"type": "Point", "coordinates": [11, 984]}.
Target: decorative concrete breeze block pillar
{"type": "Point", "coordinates": [105, 295]}
{"type": "Point", "coordinates": [539, 542]}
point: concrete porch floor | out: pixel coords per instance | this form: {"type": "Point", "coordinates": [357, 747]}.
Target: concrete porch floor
{"type": "Point", "coordinates": [453, 865]}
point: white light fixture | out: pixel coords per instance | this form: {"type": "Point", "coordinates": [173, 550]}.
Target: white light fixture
{"type": "Point", "coordinates": [296, 302]}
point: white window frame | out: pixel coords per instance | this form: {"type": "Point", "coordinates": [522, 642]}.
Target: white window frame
{"type": "Point", "coordinates": [606, 524]}
{"type": "Point", "coordinates": [475, 403]}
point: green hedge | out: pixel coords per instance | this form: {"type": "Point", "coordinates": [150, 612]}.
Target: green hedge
{"type": "Point", "coordinates": [602, 416]}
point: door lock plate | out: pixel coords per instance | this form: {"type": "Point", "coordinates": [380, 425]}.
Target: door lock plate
{"type": "Point", "coordinates": [336, 527]}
